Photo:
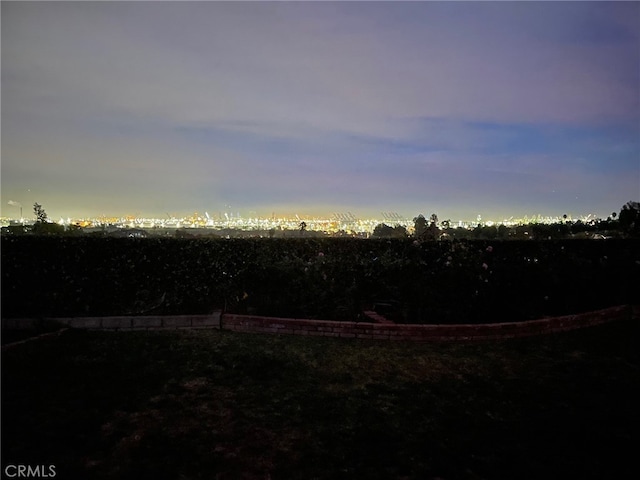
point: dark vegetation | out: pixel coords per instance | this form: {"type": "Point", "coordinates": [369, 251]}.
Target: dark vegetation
{"type": "Point", "coordinates": [447, 281]}
{"type": "Point", "coordinates": [222, 405]}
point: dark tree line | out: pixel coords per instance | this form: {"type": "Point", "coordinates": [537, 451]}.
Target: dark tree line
{"type": "Point", "coordinates": [627, 224]}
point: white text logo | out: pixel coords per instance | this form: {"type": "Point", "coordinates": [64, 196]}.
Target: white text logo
{"type": "Point", "coordinates": [28, 471]}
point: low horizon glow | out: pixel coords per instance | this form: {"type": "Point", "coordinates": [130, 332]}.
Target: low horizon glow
{"type": "Point", "coordinates": [498, 109]}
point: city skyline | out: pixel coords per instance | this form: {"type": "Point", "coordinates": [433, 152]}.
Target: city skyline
{"type": "Point", "coordinates": [229, 216]}
{"type": "Point", "coordinates": [497, 109]}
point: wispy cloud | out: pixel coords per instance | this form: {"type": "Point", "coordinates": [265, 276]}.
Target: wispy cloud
{"type": "Point", "coordinates": [317, 102]}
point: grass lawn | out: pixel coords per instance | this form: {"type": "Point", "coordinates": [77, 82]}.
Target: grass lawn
{"type": "Point", "coordinates": [223, 405]}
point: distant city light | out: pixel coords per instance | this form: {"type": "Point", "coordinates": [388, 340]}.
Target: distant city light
{"type": "Point", "coordinates": [337, 222]}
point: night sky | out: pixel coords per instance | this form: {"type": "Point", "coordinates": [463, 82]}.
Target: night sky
{"type": "Point", "coordinates": [463, 109]}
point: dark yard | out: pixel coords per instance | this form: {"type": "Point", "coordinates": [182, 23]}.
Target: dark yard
{"type": "Point", "coordinates": [222, 405]}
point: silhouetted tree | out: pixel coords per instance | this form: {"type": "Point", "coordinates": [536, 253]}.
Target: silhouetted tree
{"type": "Point", "coordinates": [42, 225]}
{"type": "Point", "coordinates": [577, 227]}
{"type": "Point", "coordinates": [400, 231]}
{"type": "Point", "coordinates": [41, 215]}
{"type": "Point", "coordinates": [433, 232]}
{"type": "Point", "coordinates": [629, 218]}
{"type": "Point", "coordinates": [420, 226]}
{"type": "Point", "coordinates": [383, 230]}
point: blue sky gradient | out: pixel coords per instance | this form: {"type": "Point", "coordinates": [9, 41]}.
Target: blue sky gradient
{"type": "Point", "coordinates": [460, 108]}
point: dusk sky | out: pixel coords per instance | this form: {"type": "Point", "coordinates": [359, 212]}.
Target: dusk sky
{"type": "Point", "coordinates": [460, 108]}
